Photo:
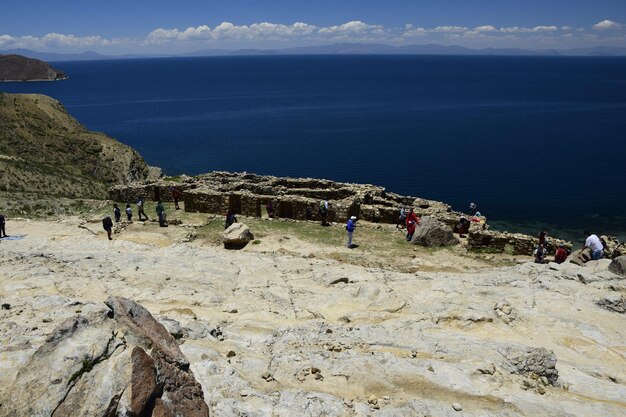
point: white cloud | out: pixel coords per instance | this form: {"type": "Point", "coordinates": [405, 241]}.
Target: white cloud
{"type": "Point", "coordinates": [607, 25]}
{"type": "Point", "coordinates": [450, 29]}
{"type": "Point", "coordinates": [486, 28]}
{"type": "Point", "coordinates": [268, 35]}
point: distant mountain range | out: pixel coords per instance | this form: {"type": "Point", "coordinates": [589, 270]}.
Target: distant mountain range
{"type": "Point", "coordinates": [337, 49]}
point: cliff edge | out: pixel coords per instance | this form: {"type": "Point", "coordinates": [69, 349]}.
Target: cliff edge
{"type": "Point", "coordinates": [46, 151]}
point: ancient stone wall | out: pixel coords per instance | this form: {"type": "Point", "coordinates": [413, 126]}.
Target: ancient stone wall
{"type": "Point", "coordinates": [513, 243]}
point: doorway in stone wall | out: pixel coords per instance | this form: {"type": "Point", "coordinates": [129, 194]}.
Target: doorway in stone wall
{"type": "Point", "coordinates": [234, 203]}
{"type": "Point", "coordinates": [285, 209]}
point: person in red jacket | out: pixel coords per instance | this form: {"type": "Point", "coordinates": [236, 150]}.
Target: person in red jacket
{"type": "Point", "coordinates": [561, 254]}
{"type": "Point", "coordinates": [411, 223]}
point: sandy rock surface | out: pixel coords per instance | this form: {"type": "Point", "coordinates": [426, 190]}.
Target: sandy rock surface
{"type": "Point", "coordinates": [288, 335]}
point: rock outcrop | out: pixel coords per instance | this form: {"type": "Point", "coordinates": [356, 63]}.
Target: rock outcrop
{"type": "Point", "coordinates": [46, 151]}
{"type": "Point", "coordinates": [432, 232]}
{"type": "Point", "coordinates": [288, 334]}
{"type": "Point", "coordinates": [21, 68]}
{"type": "Point", "coordinates": [113, 360]}
{"type": "Point", "coordinates": [618, 266]}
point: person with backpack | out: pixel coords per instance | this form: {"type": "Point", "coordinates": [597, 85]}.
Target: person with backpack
{"type": "Point", "coordinates": [117, 213]}
{"type": "Point", "coordinates": [107, 225]}
{"type": "Point", "coordinates": [350, 227]}
{"type": "Point", "coordinates": [129, 213]}
{"type": "Point", "coordinates": [160, 211]}
{"type": "Point", "coordinates": [561, 254]}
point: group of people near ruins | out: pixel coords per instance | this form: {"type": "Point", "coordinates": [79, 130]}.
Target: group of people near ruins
{"type": "Point", "coordinates": [107, 223]}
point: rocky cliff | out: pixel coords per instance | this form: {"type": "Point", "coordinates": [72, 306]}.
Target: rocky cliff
{"type": "Point", "coordinates": [21, 68]}
{"type": "Point", "coordinates": [46, 151]}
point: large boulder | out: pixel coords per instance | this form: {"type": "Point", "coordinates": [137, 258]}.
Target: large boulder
{"type": "Point", "coordinates": [237, 236]}
{"type": "Point", "coordinates": [618, 266]}
{"type": "Point", "coordinates": [580, 257]}
{"type": "Point", "coordinates": [114, 360]}
{"type": "Point", "coordinates": [432, 232]}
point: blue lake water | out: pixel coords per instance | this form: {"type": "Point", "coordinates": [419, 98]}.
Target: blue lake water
{"type": "Point", "coordinates": [536, 142]}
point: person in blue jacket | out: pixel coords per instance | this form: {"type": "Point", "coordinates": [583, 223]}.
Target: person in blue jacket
{"type": "Point", "coordinates": [350, 226]}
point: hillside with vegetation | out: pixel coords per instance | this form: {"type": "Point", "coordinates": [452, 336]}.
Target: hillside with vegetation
{"type": "Point", "coordinates": [21, 68]}
{"type": "Point", "coordinates": [45, 152]}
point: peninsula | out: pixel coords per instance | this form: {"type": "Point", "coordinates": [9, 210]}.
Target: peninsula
{"type": "Point", "coordinates": [20, 68]}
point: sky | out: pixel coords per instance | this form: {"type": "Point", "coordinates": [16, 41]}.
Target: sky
{"type": "Point", "coordinates": [169, 26]}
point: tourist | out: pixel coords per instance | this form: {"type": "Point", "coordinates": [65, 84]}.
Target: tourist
{"type": "Point", "coordinates": [543, 238]}
{"type": "Point", "coordinates": [3, 221]}
{"type": "Point", "coordinates": [107, 224]}
{"type": "Point", "coordinates": [593, 243]}
{"type": "Point", "coordinates": [175, 196]}
{"type": "Point", "coordinates": [230, 219]}
{"type": "Point", "coordinates": [561, 254]}
{"type": "Point", "coordinates": [540, 254]}
{"type": "Point", "coordinates": [401, 218]}
{"type": "Point", "coordinates": [117, 213]}
{"type": "Point", "coordinates": [160, 211]}
{"type": "Point", "coordinates": [270, 210]}
{"type": "Point", "coordinates": [129, 213]}
{"type": "Point", "coordinates": [350, 226]}
{"type": "Point", "coordinates": [324, 212]}
{"type": "Point", "coordinates": [463, 227]}
{"type": "Point", "coordinates": [473, 209]}
{"type": "Point", "coordinates": [140, 209]}
{"type": "Point", "coordinates": [411, 223]}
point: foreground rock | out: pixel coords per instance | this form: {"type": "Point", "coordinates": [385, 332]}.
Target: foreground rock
{"type": "Point", "coordinates": [237, 236]}
{"type": "Point", "coordinates": [432, 232]}
{"type": "Point", "coordinates": [112, 360]}
{"type": "Point", "coordinates": [618, 266]}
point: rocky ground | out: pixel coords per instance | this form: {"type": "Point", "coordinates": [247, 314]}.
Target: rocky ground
{"type": "Point", "coordinates": [291, 328]}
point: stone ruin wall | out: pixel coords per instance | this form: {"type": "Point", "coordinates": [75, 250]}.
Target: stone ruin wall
{"type": "Point", "coordinates": [514, 243]}
{"type": "Point", "coordinates": [247, 194]}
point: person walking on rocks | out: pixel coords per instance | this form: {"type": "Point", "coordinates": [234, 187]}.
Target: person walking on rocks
{"type": "Point", "coordinates": [411, 223]}
{"type": "Point", "coordinates": [160, 211]}
{"type": "Point", "coordinates": [473, 208]}
{"type": "Point", "coordinates": [175, 197]}
{"type": "Point", "coordinates": [117, 213]}
{"type": "Point", "coordinates": [129, 213]}
{"type": "Point", "coordinates": [350, 227]}
{"type": "Point", "coordinates": [107, 225]}
{"type": "Point", "coordinates": [3, 221]}
{"type": "Point", "coordinates": [140, 209]}
{"type": "Point", "coordinates": [593, 243]}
